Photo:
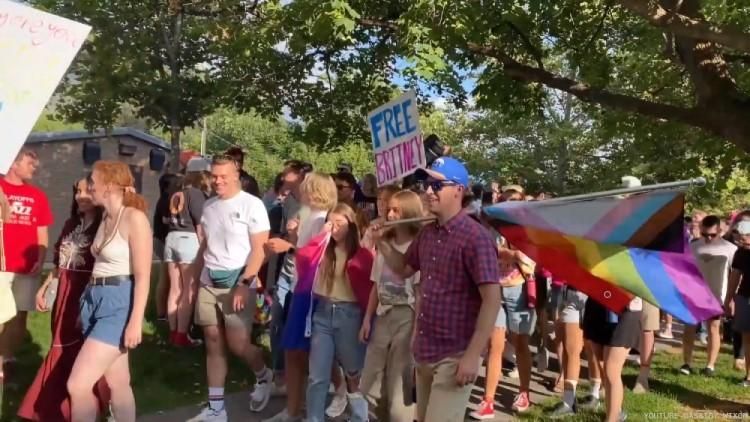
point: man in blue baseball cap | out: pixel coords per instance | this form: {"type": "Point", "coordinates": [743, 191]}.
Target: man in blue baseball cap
{"type": "Point", "coordinates": [459, 297]}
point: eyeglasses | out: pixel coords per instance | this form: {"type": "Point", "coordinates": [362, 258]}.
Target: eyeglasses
{"type": "Point", "coordinates": [436, 185]}
{"type": "Point", "coordinates": [342, 187]}
{"type": "Point", "coordinates": [710, 235]}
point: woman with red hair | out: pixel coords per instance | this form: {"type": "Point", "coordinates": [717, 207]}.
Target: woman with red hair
{"type": "Point", "coordinates": [114, 302]}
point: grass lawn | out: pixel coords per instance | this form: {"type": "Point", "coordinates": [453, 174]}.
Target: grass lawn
{"type": "Point", "coordinates": [675, 396]}
{"type": "Point", "coordinates": [163, 377]}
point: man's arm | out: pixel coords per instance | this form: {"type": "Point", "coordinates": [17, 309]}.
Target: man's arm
{"type": "Point", "coordinates": [488, 311]}
{"type": "Point", "coordinates": [735, 276]}
{"type": "Point", "coordinates": [257, 254]}
{"type": "Point", "coordinates": [42, 235]}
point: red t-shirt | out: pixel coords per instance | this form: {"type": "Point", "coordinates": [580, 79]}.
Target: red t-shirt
{"type": "Point", "coordinates": [29, 209]}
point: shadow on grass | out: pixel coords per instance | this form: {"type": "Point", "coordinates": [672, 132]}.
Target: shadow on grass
{"type": "Point", "coordinates": [690, 398]}
{"type": "Point", "coordinates": [21, 374]}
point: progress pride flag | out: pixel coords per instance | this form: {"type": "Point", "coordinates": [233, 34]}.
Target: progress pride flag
{"type": "Point", "coordinates": [36, 50]}
{"type": "Point", "coordinates": [396, 138]}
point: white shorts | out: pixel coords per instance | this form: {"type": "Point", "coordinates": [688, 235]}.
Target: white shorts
{"type": "Point", "coordinates": [24, 287]}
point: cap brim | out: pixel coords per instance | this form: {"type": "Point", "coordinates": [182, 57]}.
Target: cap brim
{"type": "Point", "coordinates": [429, 173]}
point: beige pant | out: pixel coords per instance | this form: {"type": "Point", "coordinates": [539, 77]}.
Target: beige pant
{"type": "Point", "coordinates": [649, 317]}
{"type": "Point", "coordinates": [439, 398]}
{"type": "Point", "coordinates": [215, 306]}
{"type": "Point", "coordinates": [388, 357]}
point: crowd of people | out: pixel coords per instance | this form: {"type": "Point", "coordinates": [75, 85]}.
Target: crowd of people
{"type": "Point", "coordinates": [396, 320]}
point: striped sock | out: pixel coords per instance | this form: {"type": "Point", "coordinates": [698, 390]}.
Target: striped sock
{"type": "Point", "coordinates": [216, 398]}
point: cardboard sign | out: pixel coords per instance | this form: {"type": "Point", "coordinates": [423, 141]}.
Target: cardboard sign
{"type": "Point", "coordinates": [36, 49]}
{"type": "Point", "coordinates": [396, 138]}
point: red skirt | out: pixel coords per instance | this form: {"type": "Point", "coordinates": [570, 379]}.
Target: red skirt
{"type": "Point", "coordinates": [47, 397]}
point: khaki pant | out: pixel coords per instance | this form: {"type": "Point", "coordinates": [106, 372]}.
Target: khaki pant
{"type": "Point", "coordinates": [215, 306]}
{"type": "Point", "coordinates": [388, 357]}
{"type": "Point", "coordinates": [439, 398]}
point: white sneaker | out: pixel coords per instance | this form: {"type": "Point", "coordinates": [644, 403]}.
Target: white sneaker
{"type": "Point", "coordinates": [513, 374]}
{"type": "Point", "coordinates": [210, 415]}
{"type": "Point", "coordinates": [261, 393]}
{"type": "Point", "coordinates": [542, 360]}
{"type": "Point", "coordinates": [283, 416]}
{"type": "Point", "coordinates": [338, 405]}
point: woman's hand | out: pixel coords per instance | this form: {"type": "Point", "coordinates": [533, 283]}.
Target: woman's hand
{"type": "Point", "coordinates": [133, 335]}
{"type": "Point", "coordinates": [41, 303]}
{"type": "Point", "coordinates": [364, 332]}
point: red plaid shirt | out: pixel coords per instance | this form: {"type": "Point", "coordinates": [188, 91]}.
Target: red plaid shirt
{"type": "Point", "coordinates": [453, 261]}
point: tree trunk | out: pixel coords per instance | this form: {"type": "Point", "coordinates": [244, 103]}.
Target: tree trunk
{"type": "Point", "coordinates": [175, 132]}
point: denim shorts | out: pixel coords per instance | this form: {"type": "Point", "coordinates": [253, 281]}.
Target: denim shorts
{"type": "Point", "coordinates": [521, 318]}
{"type": "Point", "coordinates": [574, 303]}
{"type": "Point", "coordinates": [555, 301]}
{"type": "Point", "coordinates": [105, 311]}
{"type": "Point", "coordinates": [181, 247]}
{"type": "Point", "coordinates": [502, 320]}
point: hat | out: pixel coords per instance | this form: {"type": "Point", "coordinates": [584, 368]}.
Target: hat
{"type": "Point", "coordinates": [449, 169]}
{"type": "Point", "coordinates": [197, 164]}
{"type": "Point", "coordinates": [630, 182]}
{"type": "Point", "coordinates": [515, 188]}
{"type": "Point", "coordinates": [743, 227]}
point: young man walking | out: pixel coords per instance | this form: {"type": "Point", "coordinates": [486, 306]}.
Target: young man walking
{"type": "Point", "coordinates": [235, 226]}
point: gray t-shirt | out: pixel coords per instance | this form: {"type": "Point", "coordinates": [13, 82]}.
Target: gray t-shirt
{"type": "Point", "coordinates": [291, 210]}
{"type": "Point", "coordinates": [189, 213]}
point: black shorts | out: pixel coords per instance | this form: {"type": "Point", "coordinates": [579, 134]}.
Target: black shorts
{"type": "Point", "coordinates": [624, 333]}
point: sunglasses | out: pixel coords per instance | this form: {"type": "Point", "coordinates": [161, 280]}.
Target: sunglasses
{"type": "Point", "coordinates": [342, 187]}
{"type": "Point", "coordinates": [436, 185]}
{"type": "Point", "coordinates": [710, 235]}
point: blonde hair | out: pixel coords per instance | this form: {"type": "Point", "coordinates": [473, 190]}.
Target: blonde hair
{"type": "Point", "coordinates": [320, 190]}
{"type": "Point", "coordinates": [411, 207]}
{"type": "Point", "coordinates": [118, 174]}
{"type": "Point", "coordinates": [351, 244]}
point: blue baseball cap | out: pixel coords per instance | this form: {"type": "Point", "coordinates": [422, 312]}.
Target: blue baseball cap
{"type": "Point", "coordinates": [449, 169]}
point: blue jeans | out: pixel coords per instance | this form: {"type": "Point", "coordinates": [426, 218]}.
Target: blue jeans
{"type": "Point", "coordinates": [281, 295]}
{"type": "Point", "coordinates": [335, 332]}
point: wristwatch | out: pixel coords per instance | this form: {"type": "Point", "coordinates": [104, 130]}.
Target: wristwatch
{"type": "Point", "coordinates": [249, 281]}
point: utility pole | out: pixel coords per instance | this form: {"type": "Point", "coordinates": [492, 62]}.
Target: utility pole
{"type": "Point", "coordinates": [204, 136]}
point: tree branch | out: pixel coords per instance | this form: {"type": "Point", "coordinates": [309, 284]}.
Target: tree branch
{"type": "Point", "coordinates": [687, 27]}
{"type": "Point", "coordinates": [527, 42]}
{"type": "Point", "coordinates": [589, 94]}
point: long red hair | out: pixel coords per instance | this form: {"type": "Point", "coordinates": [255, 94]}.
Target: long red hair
{"type": "Point", "coordinates": [118, 174]}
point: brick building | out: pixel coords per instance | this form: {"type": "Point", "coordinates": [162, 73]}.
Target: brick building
{"type": "Point", "coordinates": [65, 157]}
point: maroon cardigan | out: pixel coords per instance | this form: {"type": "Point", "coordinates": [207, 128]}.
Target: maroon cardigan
{"type": "Point", "coordinates": [358, 271]}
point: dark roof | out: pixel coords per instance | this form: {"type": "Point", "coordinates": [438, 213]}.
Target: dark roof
{"type": "Point", "coordinates": [41, 137]}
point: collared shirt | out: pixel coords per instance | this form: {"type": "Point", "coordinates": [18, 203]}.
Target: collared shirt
{"type": "Point", "coordinates": [453, 260]}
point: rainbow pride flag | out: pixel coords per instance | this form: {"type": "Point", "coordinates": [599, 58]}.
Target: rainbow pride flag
{"type": "Point", "coordinates": [613, 248]}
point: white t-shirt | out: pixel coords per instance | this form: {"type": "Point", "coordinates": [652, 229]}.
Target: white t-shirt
{"type": "Point", "coordinates": [714, 260]}
{"type": "Point", "coordinates": [393, 290]}
{"type": "Point", "coordinates": [227, 224]}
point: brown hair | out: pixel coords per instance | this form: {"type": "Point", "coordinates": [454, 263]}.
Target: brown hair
{"type": "Point", "coordinates": [388, 191]}
{"type": "Point", "coordinates": [411, 207]}
{"type": "Point", "coordinates": [199, 180]}
{"type": "Point", "coordinates": [26, 152]}
{"type": "Point", "coordinates": [118, 174]}
{"type": "Point", "coordinates": [351, 244]}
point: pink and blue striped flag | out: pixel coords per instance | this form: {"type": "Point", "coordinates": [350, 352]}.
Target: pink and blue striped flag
{"type": "Point", "coordinates": [612, 248]}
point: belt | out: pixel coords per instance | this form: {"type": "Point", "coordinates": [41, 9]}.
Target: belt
{"type": "Point", "coordinates": [113, 280]}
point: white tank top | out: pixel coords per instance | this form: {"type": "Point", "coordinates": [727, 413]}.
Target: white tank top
{"type": "Point", "coordinates": [113, 254]}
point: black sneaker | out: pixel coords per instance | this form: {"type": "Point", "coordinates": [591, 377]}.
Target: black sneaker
{"type": "Point", "coordinates": [562, 410]}
{"type": "Point", "coordinates": [685, 369]}
{"type": "Point", "coordinates": [707, 372]}
{"type": "Point", "coordinates": [588, 403]}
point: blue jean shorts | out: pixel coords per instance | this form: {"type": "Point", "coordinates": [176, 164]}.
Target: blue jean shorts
{"type": "Point", "coordinates": [501, 320]}
{"type": "Point", "coordinates": [521, 318]}
{"type": "Point", "coordinates": [181, 247]}
{"type": "Point", "coordinates": [105, 311]}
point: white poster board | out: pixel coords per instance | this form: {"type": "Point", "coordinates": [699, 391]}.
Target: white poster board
{"type": "Point", "coordinates": [37, 48]}
{"type": "Point", "coordinates": [396, 138]}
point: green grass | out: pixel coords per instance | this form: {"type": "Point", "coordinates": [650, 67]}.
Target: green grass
{"type": "Point", "coordinates": [673, 395]}
{"type": "Point", "coordinates": [163, 377]}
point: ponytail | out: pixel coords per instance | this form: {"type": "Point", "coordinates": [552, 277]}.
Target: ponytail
{"type": "Point", "coordinates": [134, 200]}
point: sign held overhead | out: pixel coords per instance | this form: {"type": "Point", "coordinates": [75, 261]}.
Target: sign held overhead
{"type": "Point", "coordinates": [396, 138]}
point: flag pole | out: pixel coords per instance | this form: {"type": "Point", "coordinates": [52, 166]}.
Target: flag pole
{"type": "Point", "coordinates": [698, 181]}
{"type": "Point", "coordinates": [409, 220]}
